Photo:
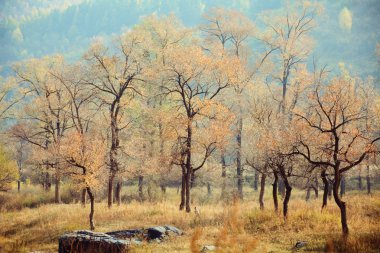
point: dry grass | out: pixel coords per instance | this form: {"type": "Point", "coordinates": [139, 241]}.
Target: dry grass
{"type": "Point", "coordinates": [194, 242]}
{"type": "Point", "coordinates": [234, 228]}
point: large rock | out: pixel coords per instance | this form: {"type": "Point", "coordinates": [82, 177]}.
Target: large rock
{"type": "Point", "coordinates": [171, 229]}
{"type": "Point", "coordinates": [84, 241]}
{"type": "Point", "coordinates": [300, 244]}
{"type": "Point", "coordinates": [160, 232]}
{"type": "Point", "coordinates": [90, 242]}
{"type": "Point", "coordinates": [207, 248]}
{"type": "Point", "coordinates": [124, 234]}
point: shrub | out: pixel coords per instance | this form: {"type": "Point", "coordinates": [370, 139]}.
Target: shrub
{"type": "Point", "coordinates": [8, 171]}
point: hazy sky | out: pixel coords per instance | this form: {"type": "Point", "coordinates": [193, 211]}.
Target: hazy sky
{"type": "Point", "coordinates": [348, 30]}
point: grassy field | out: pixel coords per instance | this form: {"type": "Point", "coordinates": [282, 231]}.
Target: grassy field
{"type": "Point", "coordinates": [233, 227]}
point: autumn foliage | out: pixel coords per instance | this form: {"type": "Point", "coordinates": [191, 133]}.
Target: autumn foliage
{"type": "Point", "coordinates": [220, 105]}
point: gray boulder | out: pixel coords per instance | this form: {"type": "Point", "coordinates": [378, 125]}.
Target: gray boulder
{"type": "Point", "coordinates": [171, 229]}
{"type": "Point", "coordinates": [207, 248]}
{"type": "Point", "coordinates": [300, 244]}
{"type": "Point", "coordinates": [84, 241]}
{"type": "Point", "coordinates": [124, 234]}
{"type": "Point", "coordinates": [158, 232]}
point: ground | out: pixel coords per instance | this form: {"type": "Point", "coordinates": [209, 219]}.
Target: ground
{"type": "Point", "coordinates": [234, 227]}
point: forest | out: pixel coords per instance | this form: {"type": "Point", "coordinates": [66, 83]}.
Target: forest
{"type": "Point", "coordinates": [233, 131]}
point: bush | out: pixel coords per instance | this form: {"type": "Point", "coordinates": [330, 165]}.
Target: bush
{"type": "Point", "coordinates": [368, 242]}
{"type": "Point", "coordinates": [8, 171]}
{"type": "Point", "coordinates": [34, 196]}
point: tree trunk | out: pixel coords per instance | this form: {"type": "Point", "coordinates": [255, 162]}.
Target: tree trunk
{"type": "Point", "coordinates": [209, 189]}
{"type": "Point", "coordinates": [117, 193]}
{"type": "Point", "coordinates": [160, 133]}
{"type": "Point", "coordinates": [262, 190]}
{"type": "Point", "coordinates": [149, 191]}
{"type": "Point", "coordinates": [341, 204]}
{"type": "Point", "coordinates": [281, 187]}
{"type": "Point", "coordinates": [114, 194]}
{"type": "Point", "coordinates": [83, 197]}
{"type": "Point", "coordinates": [163, 189]}
{"type": "Point", "coordinates": [274, 191]}
{"type": "Point", "coordinates": [188, 167]}
{"type": "Point", "coordinates": [284, 84]}
{"type": "Point", "coordinates": [47, 181]}
{"type": "Point", "coordinates": [239, 169]}
{"type": "Point", "coordinates": [183, 189]}
{"type": "Point", "coordinates": [360, 181]}
{"type": "Point", "coordinates": [343, 186]}
{"type": "Point", "coordinates": [187, 186]}
{"type": "Point", "coordinates": [19, 164]}
{"type": "Point", "coordinates": [288, 192]}
{"type": "Point", "coordinates": [315, 191]}
{"type": "Point", "coordinates": [192, 180]}
{"type": "Point", "coordinates": [113, 152]}
{"type": "Point", "coordinates": [326, 188]}
{"type": "Point", "coordinates": [141, 191]}
{"type": "Point", "coordinates": [57, 190]}
{"type": "Point", "coordinates": [308, 194]}
{"type": "Point", "coordinates": [330, 190]}
{"type": "Point", "coordinates": [256, 181]}
{"type": "Point", "coordinates": [92, 208]}
{"type": "Point", "coordinates": [110, 188]}
{"type": "Point", "coordinates": [224, 174]}
{"type": "Point", "coordinates": [316, 188]}
{"type": "Point", "coordinates": [368, 181]}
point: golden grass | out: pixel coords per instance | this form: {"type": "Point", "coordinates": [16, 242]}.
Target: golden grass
{"type": "Point", "coordinates": [194, 242]}
{"type": "Point", "coordinates": [234, 228]}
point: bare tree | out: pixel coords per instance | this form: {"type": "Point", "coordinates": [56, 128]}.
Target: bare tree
{"type": "Point", "coordinates": [116, 77]}
{"type": "Point", "coordinates": [188, 71]}
{"type": "Point", "coordinates": [334, 133]}
{"type": "Point", "coordinates": [232, 31]}
{"type": "Point", "coordinates": [47, 117]}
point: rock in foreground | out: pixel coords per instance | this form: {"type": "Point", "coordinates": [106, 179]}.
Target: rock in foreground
{"type": "Point", "coordinates": [87, 241]}
{"type": "Point", "coordinates": [84, 241]}
{"type": "Point", "coordinates": [207, 248]}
